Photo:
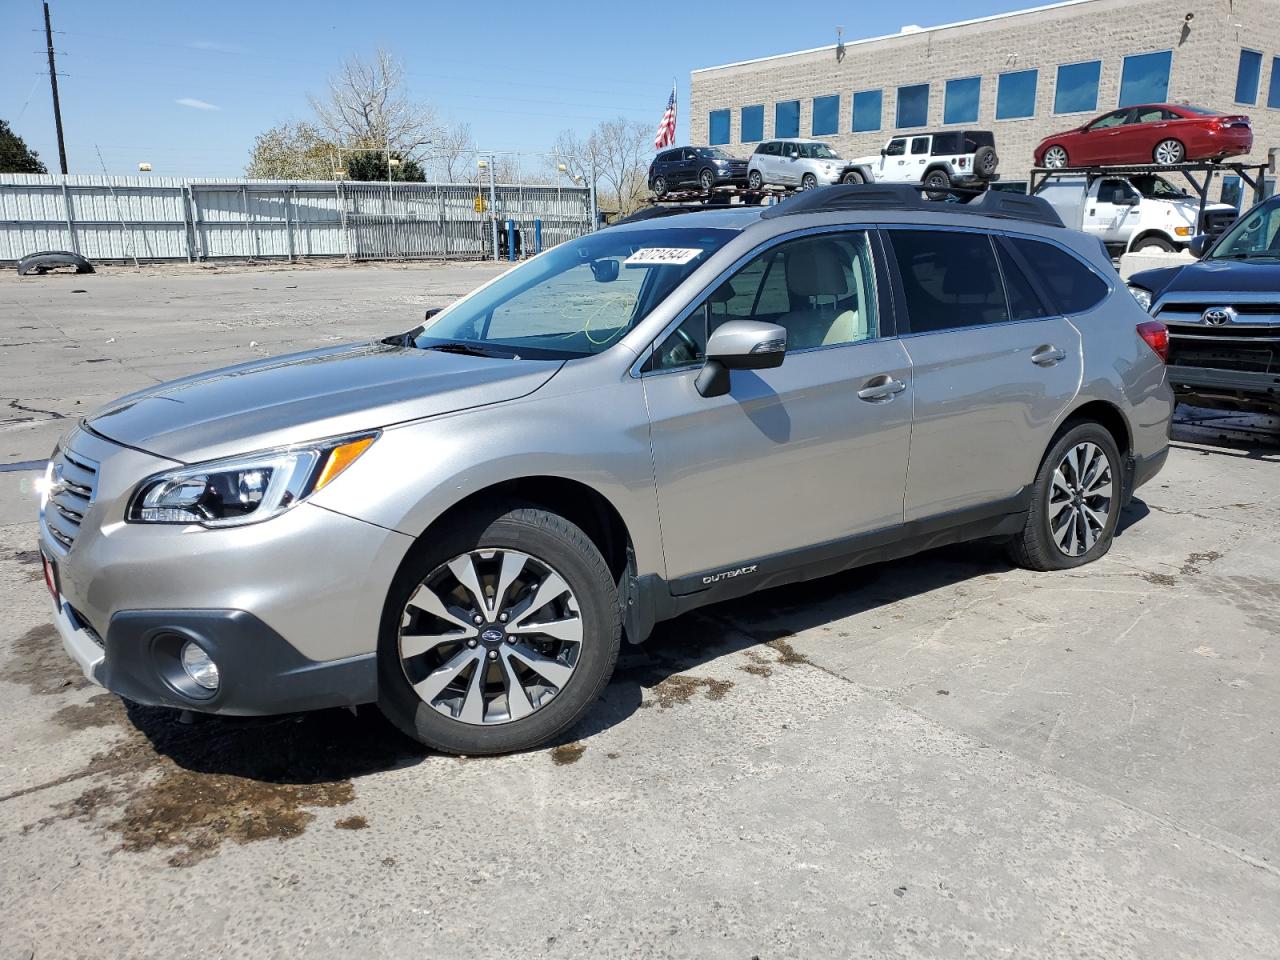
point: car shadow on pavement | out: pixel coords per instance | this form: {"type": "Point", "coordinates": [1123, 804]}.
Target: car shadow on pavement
{"type": "Point", "coordinates": [1253, 436]}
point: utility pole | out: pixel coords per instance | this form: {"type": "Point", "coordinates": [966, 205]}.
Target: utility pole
{"type": "Point", "coordinates": [53, 82]}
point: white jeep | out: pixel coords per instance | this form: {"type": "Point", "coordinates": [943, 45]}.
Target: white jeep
{"type": "Point", "coordinates": [961, 158]}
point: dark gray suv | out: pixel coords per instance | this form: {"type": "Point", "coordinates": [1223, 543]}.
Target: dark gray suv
{"type": "Point", "coordinates": [704, 168]}
{"type": "Point", "coordinates": [461, 522]}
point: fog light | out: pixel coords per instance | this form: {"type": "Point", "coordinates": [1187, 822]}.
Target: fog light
{"type": "Point", "coordinates": [199, 666]}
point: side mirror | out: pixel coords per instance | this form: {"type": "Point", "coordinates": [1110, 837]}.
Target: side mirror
{"type": "Point", "coordinates": [1130, 200]}
{"type": "Point", "coordinates": [740, 345]}
{"type": "Point", "coordinates": [1198, 245]}
{"type": "Point", "coordinates": [605, 271]}
{"type": "Point", "coordinates": [884, 151]}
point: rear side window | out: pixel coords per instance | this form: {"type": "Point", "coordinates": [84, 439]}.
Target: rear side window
{"type": "Point", "coordinates": [1023, 302]}
{"type": "Point", "coordinates": [919, 146]}
{"type": "Point", "coordinates": [951, 279]}
{"type": "Point", "coordinates": [1073, 287]}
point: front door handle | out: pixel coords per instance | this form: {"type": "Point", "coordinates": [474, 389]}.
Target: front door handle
{"type": "Point", "coordinates": [1048, 355]}
{"type": "Point", "coordinates": [881, 388]}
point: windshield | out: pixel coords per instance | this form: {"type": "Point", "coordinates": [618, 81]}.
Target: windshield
{"type": "Point", "coordinates": [1158, 188]}
{"type": "Point", "coordinates": [818, 151]}
{"type": "Point", "coordinates": [712, 153]}
{"type": "Point", "coordinates": [1256, 235]}
{"type": "Point", "coordinates": [576, 300]}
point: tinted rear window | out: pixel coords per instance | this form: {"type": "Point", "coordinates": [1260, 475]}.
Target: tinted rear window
{"type": "Point", "coordinates": [1023, 302]}
{"type": "Point", "coordinates": [1073, 286]}
{"type": "Point", "coordinates": [950, 279]}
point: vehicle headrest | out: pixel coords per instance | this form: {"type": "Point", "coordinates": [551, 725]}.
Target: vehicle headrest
{"type": "Point", "coordinates": [813, 270]}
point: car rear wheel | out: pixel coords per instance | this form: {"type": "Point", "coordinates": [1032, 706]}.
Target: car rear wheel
{"type": "Point", "coordinates": [660, 186]}
{"type": "Point", "coordinates": [706, 180]}
{"type": "Point", "coordinates": [1169, 151]}
{"type": "Point", "coordinates": [939, 183]}
{"type": "Point", "coordinates": [808, 181]}
{"type": "Point", "coordinates": [754, 180]}
{"type": "Point", "coordinates": [1075, 502]}
{"type": "Point", "coordinates": [853, 176]}
{"type": "Point", "coordinates": [498, 634]}
{"type": "Point", "coordinates": [1055, 158]}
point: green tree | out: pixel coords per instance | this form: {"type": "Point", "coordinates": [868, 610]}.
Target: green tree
{"type": "Point", "coordinates": [15, 155]}
{"type": "Point", "coordinates": [372, 165]}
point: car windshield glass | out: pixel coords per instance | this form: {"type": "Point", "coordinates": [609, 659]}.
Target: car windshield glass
{"type": "Point", "coordinates": [1255, 235]}
{"type": "Point", "coordinates": [712, 153]}
{"type": "Point", "coordinates": [1158, 188]}
{"type": "Point", "coordinates": [818, 151]}
{"type": "Point", "coordinates": [576, 300]}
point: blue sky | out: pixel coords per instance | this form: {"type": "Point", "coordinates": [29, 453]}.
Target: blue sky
{"type": "Point", "coordinates": [186, 86]}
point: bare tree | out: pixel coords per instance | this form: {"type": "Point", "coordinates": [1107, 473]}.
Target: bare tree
{"type": "Point", "coordinates": [368, 106]}
{"type": "Point", "coordinates": [619, 152]}
{"type": "Point", "coordinates": [453, 154]}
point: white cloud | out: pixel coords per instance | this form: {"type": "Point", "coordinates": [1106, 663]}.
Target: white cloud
{"type": "Point", "coordinates": [195, 104]}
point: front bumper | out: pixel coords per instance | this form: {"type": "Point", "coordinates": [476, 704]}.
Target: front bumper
{"type": "Point", "coordinates": [1240, 389]}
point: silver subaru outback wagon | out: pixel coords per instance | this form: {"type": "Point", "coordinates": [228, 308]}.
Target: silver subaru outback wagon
{"type": "Point", "coordinates": [461, 523]}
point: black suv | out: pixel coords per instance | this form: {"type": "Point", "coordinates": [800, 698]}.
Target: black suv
{"type": "Point", "coordinates": [701, 167]}
{"type": "Point", "coordinates": [1223, 315]}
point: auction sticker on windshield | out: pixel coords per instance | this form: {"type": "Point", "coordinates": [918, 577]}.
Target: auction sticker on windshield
{"type": "Point", "coordinates": [657, 256]}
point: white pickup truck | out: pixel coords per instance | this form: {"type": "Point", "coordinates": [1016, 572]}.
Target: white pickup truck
{"type": "Point", "coordinates": [1133, 212]}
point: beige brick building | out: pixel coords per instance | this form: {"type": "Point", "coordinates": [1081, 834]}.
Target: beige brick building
{"type": "Point", "coordinates": [1221, 54]}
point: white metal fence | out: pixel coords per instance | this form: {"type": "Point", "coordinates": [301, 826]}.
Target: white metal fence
{"type": "Point", "coordinates": [165, 218]}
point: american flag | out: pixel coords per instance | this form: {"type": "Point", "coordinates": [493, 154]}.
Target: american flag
{"type": "Point", "coordinates": [666, 135]}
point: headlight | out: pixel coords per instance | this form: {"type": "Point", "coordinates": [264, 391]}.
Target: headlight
{"type": "Point", "coordinates": [240, 490]}
{"type": "Point", "coordinates": [1143, 296]}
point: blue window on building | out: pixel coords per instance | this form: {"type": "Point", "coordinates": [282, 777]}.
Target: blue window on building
{"type": "Point", "coordinates": [913, 105]}
{"type": "Point", "coordinates": [866, 110]}
{"type": "Point", "coordinates": [1247, 76]}
{"type": "Point", "coordinates": [753, 123]}
{"type": "Point", "coordinates": [1145, 78]}
{"type": "Point", "coordinates": [1273, 92]}
{"type": "Point", "coordinates": [719, 126]}
{"type": "Point", "coordinates": [1016, 94]}
{"type": "Point", "coordinates": [960, 104]}
{"type": "Point", "coordinates": [1077, 90]}
{"type": "Point", "coordinates": [786, 118]}
{"type": "Point", "coordinates": [826, 115]}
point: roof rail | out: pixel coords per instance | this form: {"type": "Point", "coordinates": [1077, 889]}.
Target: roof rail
{"type": "Point", "coordinates": [904, 196]}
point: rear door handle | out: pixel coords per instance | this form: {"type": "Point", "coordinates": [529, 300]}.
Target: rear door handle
{"type": "Point", "coordinates": [881, 388]}
{"type": "Point", "coordinates": [1048, 355]}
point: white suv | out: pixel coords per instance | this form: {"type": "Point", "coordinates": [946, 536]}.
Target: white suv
{"type": "Point", "coordinates": [962, 158]}
{"type": "Point", "coordinates": [794, 163]}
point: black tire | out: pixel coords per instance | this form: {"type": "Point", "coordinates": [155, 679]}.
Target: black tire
{"type": "Point", "coordinates": [985, 163]}
{"type": "Point", "coordinates": [808, 181]}
{"type": "Point", "coordinates": [754, 180]}
{"type": "Point", "coordinates": [1035, 548]}
{"type": "Point", "coordinates": [1154, 243]}
{"type": "Point", "coordinates": [549, 538]}
{"type": "Point", "coordinates": [939, 182]}
{"type": "Point", "coordinates": [659, 186]}
{"type": "Point", "coordinates": [853, 176]}
{"type": "Point", "coordinates": [706, 179]}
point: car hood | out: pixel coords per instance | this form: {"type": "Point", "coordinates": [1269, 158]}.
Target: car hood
{"type": "Point", "coordinates": [1212, 276]}
{"type": "Point", "coordinates": [307, 396]}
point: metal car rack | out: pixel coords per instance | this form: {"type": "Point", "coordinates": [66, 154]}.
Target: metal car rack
{"type": "Point", "coordinates": [1199, 175]}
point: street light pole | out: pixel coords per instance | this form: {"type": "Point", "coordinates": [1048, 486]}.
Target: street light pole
{"type": "Point", "coordinates": [53, 82]}
{"type": "Point", "coordinates": [493, 209]}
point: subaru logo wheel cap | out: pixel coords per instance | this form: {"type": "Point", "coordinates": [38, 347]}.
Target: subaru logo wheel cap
{"type": "Point", "coordinates": [1217, 316]}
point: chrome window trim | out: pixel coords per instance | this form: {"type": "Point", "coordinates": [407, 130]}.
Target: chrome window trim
{"type": "Point", "coordinates": [695, 301]}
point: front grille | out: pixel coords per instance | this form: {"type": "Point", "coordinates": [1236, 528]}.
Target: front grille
{"type": "Point", "coordinates": [1232, 346]}
{"type": "Point", "coordinates": [74, 483]}
{"type": "Point", "coordinates": [1217, 221]}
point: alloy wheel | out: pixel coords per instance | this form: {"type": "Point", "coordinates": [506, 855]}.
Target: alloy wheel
{"type": "Point", "coordinates": [1168, 152]}
{"type": "Point", "coordinates": [1055, 158]}
{"type": "Point", "coordinates": [705, 181]}
{"type": "Point", "coordinates": [660, 186]}
{"type": "Point", "coordinates": [1081, 492]}
{"type": "Point", "coordinates": [755, 181]}
{"type": "Point", "coordinates": [490, 637]}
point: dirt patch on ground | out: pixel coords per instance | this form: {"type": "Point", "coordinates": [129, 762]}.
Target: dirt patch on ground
{"type": "Point", "coordinates": [760, 665]}
{"type": "Point", "coordinates": [787, 654]}
{"type": "Point", "coordinates": [352, 823]}
{"type": "Point", "coordinates": [188, 788]}
{"type": "Point", "coordinates": [567, 753]}
{"type": "Point", "coordinates": [100, 710]}
{"type": "Point", "coordinates": [681, 689]}
{"type": "Point", "coordinates": [41, 665]}
{"type": "Point", "coordinates": [27, 556]}
{"type": "Point", "coordinates": [1159, 579]}
{"type": "Point", "coordinates": [1196, 560]}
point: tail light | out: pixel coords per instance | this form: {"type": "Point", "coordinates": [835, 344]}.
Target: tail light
{"type": "Point", "coordinates": [1156, 335]}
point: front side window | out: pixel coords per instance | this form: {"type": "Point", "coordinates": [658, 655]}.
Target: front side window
{"type": "Point", "coordinates": [786, 118]}
{"type": "Point", "coordinates": [950, 278]}
{"type": "Point", "coordinates": [711, 153]}
{"type": "Point", "coordinates": [1145, 78]}
{"type": "Point", "coordinates": [1077, 90]}
{"type": "Point", "coordinates": [913, 105]}
{"type": "Point", "coordinates": [1115, 191]}
{"type": "Point", "coordinates": [961, 101]}
{"type": "Point", "coordinates": [1248, 74]}
{"type": "Point", "coordinates": [896, 148]}
{"type": "Point", "coordinates": [1073, 287]}
{"type": "Point", "coordinates": [867, 107]}
{"type": "Point", "coordinates": [817, 151]}
{"type": "Point", "coordinates": [1158, 188]}
{"type": "Point", "coordinates": [826, 115]}
{"type": "Point", "coordinates": [719, 126]}
{"type": "Point", "coordinates": [752, 123]}
{"type": "Point", "coordinates": [1255, 237]}
{"type": "Point", "coordinates": [820, 288]}
{"type": "Point", "coordinates": [577, 300]}
{"type": "Point", "coordinates": [1016, 94]}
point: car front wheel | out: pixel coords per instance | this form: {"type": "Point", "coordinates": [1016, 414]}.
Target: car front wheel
{"type": "Point", "coordinates": [853, 176]}
{"type": "Point", "coordinates": [498, 634]}
{"type": "Point", "coordinates": [706, 180]}
{"type": "Point", "coordinates": [1075, 502]}
{"type": "Point", "coordinates": [1055, 158]}
{"type": "Point", "coordinates": [754, 180]}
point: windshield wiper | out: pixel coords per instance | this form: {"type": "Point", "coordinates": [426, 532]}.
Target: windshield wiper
{"type": "Point", "coordinates": [1250, 255]}
{"type": "Point", "coordinates": [466, 349]}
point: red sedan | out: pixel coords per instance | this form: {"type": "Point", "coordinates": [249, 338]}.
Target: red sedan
{"type": "Point", "coordinates": [1162, 133]}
